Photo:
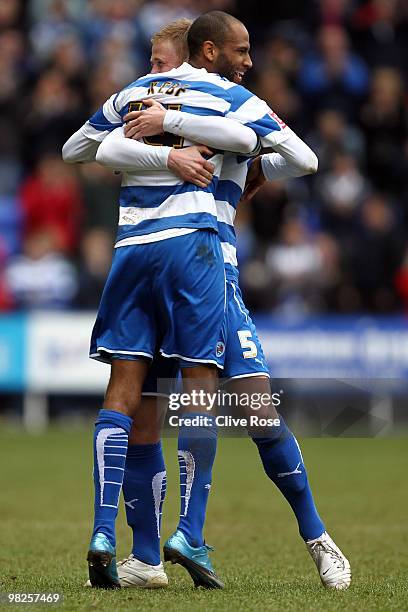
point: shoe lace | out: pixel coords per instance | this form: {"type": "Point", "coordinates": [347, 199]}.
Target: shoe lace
{"type": "Point", "coordinates": [123, 561]}
{"type": "Point", "coordinates": [205, 548]}
{"type": "Point", "coordinates": [336, 557]}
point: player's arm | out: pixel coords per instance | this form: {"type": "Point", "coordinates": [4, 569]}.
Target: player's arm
{"type": "Point", "coordinates": [129, 155]}
{"type": "Point", "coordinates": [293, 158]}
{"type": "Point", "coordinates": [119, 153]}
{"type": "Point", "coordinates": [82, 146]}
{"type": "Point", "coordinates": [215, 132]}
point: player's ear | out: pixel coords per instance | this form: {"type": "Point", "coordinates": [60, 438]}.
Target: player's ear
{"type": "Point", "coordinates": [210, 51]}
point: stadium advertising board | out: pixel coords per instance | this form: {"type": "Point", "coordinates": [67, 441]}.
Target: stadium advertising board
{"type": "Point", "coordinates": [12, 352]}
{"type": "Point", "coordinates": [48, 352]}
{"type": "Point", "coordinates": [336, 347]}
{"type": "Point", "coordinates": [58, 345]}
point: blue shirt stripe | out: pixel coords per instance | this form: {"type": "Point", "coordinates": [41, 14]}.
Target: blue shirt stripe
{"type": "Point", "coordinates": [264, 126]}
{"type": "Point", "coordinates": [190, 220]}
{"type": "Point", "coordinates": [193, 110]}
{"type": "Point", "coordinates": [202, 86]}
{"type": "Point", "coordinates": [152, 197]}
{"type": "Point", "coordinates": [101, 123]}
{"type": "Point", "coordinates": [240, 95]}
{"type": "Point", "coordinates": [227, 233]}
{"type": "Point", "coordinates": [228, 191]}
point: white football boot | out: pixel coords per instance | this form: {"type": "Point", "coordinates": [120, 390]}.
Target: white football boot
{"type": "Point", "coordinates": [136, 574]}
{"type": "Point", "coordinates": [333, 567]}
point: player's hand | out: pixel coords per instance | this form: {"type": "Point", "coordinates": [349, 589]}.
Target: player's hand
{"type": "Point", "coordinates": [148, 122]}
{"type": "Point", "coordinates": [190, 165]}
{"type": "Point", "coordinates": [255, 179]}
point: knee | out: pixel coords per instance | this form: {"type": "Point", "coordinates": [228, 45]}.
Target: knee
{"type": "Point", "coordinates": [122, 399]}
{"type": "Point", "coordinates": [147, 421]}
{"type": "Point", "coordinates": [147, 435]}
{"type": "Point", "coordinates": [125, 384]}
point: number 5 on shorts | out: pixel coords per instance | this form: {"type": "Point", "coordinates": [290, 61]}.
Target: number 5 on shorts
{"type": "Point", "coordinates": [249, 346]}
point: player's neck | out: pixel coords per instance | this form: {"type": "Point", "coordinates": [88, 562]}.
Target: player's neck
{"type": "Point", "coordinates": [201, 62]}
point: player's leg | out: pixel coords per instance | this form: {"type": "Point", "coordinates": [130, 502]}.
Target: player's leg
{"type": "Point", "coordinates": [111, 436]}
{"type": "Point", "coordinates": [280, 455]}
{"type": "Point", "coordinates": [247, 373]}
{"type": "Point", "coordinates": [123, 335]}
{"type": "Point", "coordinates": [197, 444]}
{"type": "Point", "coordinates": [144, 484]}
{"type": "Point", "coordinates": [144, 489]}
{"type": "Point", "coordinates": [246, 368]}
{"type": "Point", "coordinates": [196, 338]}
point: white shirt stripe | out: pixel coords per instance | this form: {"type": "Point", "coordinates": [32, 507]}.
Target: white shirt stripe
{"type": "Point", "coordinates": [173, 206]}
{"type": "Point", "coordinates": [251, 110]}
{"type": "Point", "coordinates": [233, 170]}
{"type": "Point", "coordinates": [155, 236]}
{"type": "Point", "coordinates": [230, 253]}
{"type": "Point", "coordinates": [109, 111]}
{"type": "Point", "coordinates": [163, 178]}
{"type": "Point", "coordinates": [225, 212]}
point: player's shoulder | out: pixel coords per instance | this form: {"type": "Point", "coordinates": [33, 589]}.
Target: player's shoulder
{"type": "Point", "coordinates": [207, 82]}
{"type": "Point", "coordinates": [248, 108]}
{"type": "Point", "coordinates": [184, 72]}
{"type": "Point", "coordinates": [138, 86]}
{"type": "Point", "coordinates": [240, 95]}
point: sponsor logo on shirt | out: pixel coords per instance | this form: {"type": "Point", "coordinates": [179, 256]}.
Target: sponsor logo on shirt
{"type": "Point", "coordinates": [278, 120]}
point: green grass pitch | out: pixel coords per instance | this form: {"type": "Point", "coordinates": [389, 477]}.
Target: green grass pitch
{"type": "Point", "coordinates": [360, 486]}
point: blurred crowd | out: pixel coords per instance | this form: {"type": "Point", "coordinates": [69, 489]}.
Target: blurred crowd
{"type": "Point", "coordinates": [335, 70]}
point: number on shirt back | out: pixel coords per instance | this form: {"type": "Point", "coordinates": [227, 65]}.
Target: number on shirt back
{"type": "Point", "coordinates": [249, 346]}
{"type": "Point", "coordinates": [165, 139]}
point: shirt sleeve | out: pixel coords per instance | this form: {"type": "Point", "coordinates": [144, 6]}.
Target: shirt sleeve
{"type": "Point", "coordinates": [106, 118]}
{"type": "Point", "coordinates": [216, 132]}
{"type": "Point", "coordinates": [83, 145]}
{"type": "Point", "coordinates": [253, 112]}
{"type": "Point", "coordinates": [125, 154]}
{"type": "Point", "coordinates": [80, 147]}
{"type": "Point", "coordinates": [292, 158]}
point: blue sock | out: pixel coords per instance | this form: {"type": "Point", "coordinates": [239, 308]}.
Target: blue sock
{"type": "Point", "coordinates": [144, 489]}
{"type": "Point", "coordinates": [196, 454]}
{"type": "Point", "coordinates": [283, 463]}
{"type": "Point", "coordinates": [110, 446]}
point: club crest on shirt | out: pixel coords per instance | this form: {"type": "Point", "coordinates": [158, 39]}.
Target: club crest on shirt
{"type": "Point", "coordinates": [220, 349]}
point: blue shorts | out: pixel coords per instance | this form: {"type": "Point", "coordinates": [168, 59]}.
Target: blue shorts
{"type": "Point", "coordinates": [244, 356]}
{"type": "Point", "coordinates": [166, 296]}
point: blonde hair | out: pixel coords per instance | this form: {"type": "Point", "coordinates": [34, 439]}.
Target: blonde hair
{"type": "Point", "coordinates": [176, 32]}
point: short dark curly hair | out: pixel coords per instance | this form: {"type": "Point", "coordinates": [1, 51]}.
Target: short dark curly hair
{"type": "Point", "coordinates": [214, 26]}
